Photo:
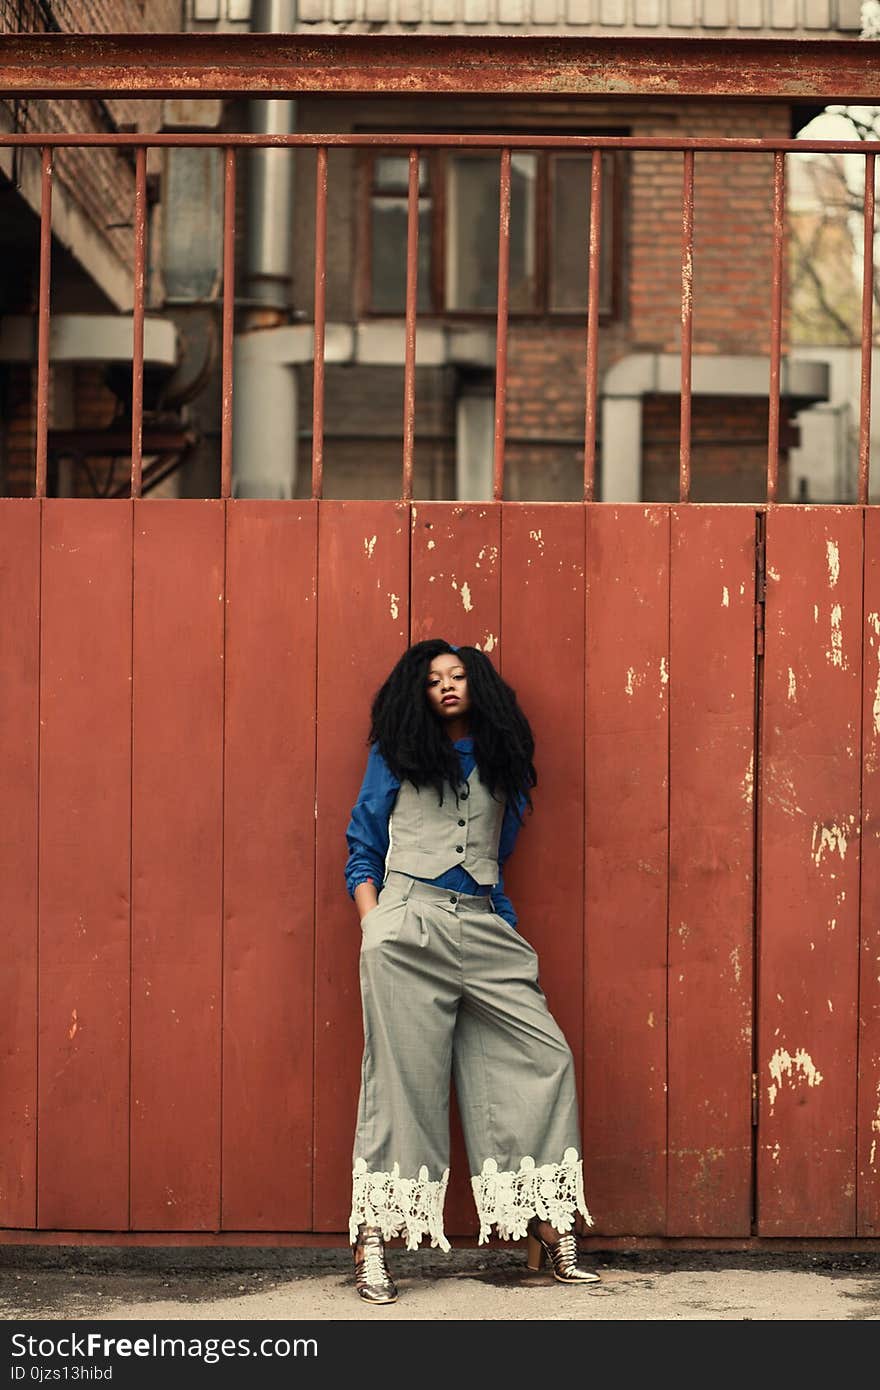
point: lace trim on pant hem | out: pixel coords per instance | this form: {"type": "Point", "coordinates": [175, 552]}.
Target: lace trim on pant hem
{"type": "Point", "coordinates": [411, 1207]}
{"type": "Point", "coordinates": [508, 1200]}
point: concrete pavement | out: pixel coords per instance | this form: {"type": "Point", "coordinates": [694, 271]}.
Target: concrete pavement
{"type": "Point", "coordinates": [237, 1284]}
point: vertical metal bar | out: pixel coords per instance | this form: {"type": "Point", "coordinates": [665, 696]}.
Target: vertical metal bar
{"type": "Point", "coordinates": [687, 326]}
{"type": "Point", "coordinates": [320, 322]}
{"type": "Point", "coordinates": [592, 325]}
{"type": "Point", "coordinates": [137, 352]}
{"type": "Point", "coordinates": [501, 332]}
{"type": "Point", "coordinates": [776, 326]}
{"type": "Point", "coordinates": [43, 323]}
{"type": "Point", "coordinates": [228, 322]}
{"type": "Point", "coordinates": [867, 332]}
{"type": "Point", "coordinates": [409, 369]}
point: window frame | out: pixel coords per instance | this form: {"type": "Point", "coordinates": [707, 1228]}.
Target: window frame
{"type": "Point", "coordinates": [436, 184]}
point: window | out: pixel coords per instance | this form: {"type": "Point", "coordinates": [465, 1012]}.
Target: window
{"type": "Point", "coordinates": [458, 232]}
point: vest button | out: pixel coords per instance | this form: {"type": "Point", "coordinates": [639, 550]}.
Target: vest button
{"type": "Point", "coordinates": [465, 793]}
{"type": "Point", "coordinates": [459, 849]}
{"type": "Point", "coordinates": [461, 822]}
{"type": "Point", "coordinates": [453, 899]}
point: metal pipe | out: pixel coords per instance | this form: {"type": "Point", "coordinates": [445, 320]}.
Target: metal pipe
{"type": "Point", "coordinates": [228, 323]}
{"type": "Point", "coordinates": [409, 367]}
{"type": "Point", "coordinates": [268, 248]}
{"type": "Point", "coordinates": [501, 332]}
{"type": "Point", "coordinates": [776, 326]}
{"type": "Point", "coordinates": [593, 327]}
{"type": "Point", "coordinates": [320, 321]}
{"type": "Point", "coordinates": [137, 352]}
{"type": "Point", "coordinates": [43, 323]}
{"type": "Point", "coordinates": [867, 333]}
{"type": "Point", "coordinates": [356, 140]}
{"type": "Point", "coordinates": [687, 326]}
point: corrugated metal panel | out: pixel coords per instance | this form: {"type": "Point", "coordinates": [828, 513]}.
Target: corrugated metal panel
{"type": "Point", "coordinates": [560, 16]}
{"type": "Point", "coordinates": [647, 13]}
{"type": "Point", "coordinates": [749, 14]}
{"type": "Point", "coordinates": [682, 13]}
{"type": "Point", "coordinates": [784, 14]}
{"type": "Point", "coordinates": [612, 12]}
{"type": "Point", "coordinates": [715, 14]}
{"type": "Point", "coordinates": [817, 14]}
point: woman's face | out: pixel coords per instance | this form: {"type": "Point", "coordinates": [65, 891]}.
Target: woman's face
{"type": "Point", "coordinates": [447, 687]}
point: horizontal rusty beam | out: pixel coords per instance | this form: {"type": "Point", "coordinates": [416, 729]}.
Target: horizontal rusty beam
{"type": "Point", "coordinates": [174, 65]}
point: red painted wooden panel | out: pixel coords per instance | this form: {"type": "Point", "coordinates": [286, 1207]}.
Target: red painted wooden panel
{"type": "Point", "coordinates": [808, 924]}
{"type": "Point", "coordinates": [711, 855]}
{"type": "Point", "coordinates": [455, 573]}
{"type": "Point", "coordinates": [363, 624]}
{"type": "Point", "coordinates": [868, 1180]}
{"type": "Point", "coordinates": [19, 733]}
{"type": "Point", "coordinates": [85, 823]}
{"type": "Point", "coordinates": [269, 865]}
{"type": "Point", "coordinates": [542, 619]}
{"type": "Point", "coordinates": [626, 867]}
{"type": "Point", "coordinates": [456, 594]}
{"type": "Point", "coordinates": [177, 787]}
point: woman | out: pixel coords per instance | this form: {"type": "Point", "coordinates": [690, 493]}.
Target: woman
{"type": "Point", "coordinates": [447, 982]}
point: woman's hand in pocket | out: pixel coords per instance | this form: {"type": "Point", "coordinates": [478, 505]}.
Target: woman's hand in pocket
{"type": "Point", "coordinates": [366, 897]}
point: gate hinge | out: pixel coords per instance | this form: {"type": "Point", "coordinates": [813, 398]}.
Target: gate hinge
{"type": "Point", "coordinates": [760, 593]}
{"type": "Point", "coordinates": [754, 1100]}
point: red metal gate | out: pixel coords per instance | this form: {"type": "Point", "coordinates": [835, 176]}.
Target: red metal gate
{"type": "Point", "coordinates": [182, 733]}
{"type": "Point", "coordinates": [182, 738]}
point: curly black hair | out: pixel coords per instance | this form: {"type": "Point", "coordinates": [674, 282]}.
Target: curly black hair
{"type": "Point", "coordinates": [415, 745]}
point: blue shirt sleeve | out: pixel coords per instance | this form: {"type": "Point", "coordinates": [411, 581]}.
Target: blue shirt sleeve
{"type": "Point", "coordinates": [367, 832]}
{"type": "Point", "coordinates": [510, 828]}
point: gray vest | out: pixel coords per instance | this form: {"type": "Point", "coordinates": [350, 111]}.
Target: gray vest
{"type": "Point", "coordinates": [427, 838]}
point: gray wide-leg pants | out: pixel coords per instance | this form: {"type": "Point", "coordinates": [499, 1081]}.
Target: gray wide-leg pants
{"type": "Point", "coordinates": [448, 987]}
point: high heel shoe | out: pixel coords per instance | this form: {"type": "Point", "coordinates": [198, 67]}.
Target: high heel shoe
{"type": "Point", "coordinates": [562, 1254]}
{"type": "Point", "coordinates": [372, 1280]}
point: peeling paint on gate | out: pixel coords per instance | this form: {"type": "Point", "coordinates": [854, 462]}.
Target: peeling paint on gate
{"type": "Point", "coordinates": [796, 1068]}
{"type": "Point", "coordinates": [830, 838]}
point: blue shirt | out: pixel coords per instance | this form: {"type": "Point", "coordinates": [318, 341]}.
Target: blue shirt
{"type": "Point", "coordinates": [368, 837]}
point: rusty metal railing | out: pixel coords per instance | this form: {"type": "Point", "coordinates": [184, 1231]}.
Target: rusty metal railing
{"type": "Point", "coordinates": [504, 144]}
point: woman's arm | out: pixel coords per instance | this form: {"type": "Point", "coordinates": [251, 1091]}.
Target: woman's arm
{"type": "Point", "coordinates": [367, 832]}
{"type": "Point", "coordinates": [510, 827]}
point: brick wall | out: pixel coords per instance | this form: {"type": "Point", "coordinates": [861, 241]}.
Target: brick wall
{"type": "Point", "coordinates": [733, 233]}
{"type": "Point", "coordinates": [547, 357]}
{"type": "Point", "coordinates": [728, 449]}
{"type": "Point", "coordinates": [101, 182]}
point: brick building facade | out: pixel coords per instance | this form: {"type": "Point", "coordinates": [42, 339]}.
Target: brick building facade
{"type": "Point", "coordinates": [640, 327]}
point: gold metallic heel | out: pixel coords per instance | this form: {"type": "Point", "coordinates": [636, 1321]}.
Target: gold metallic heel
{"type": "Point", "coordinates": [562, 1254]}
{"type": "Point", "coordinates": [536, 1253]}
{"type": "Point", "coordinates": [372, 1280]}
